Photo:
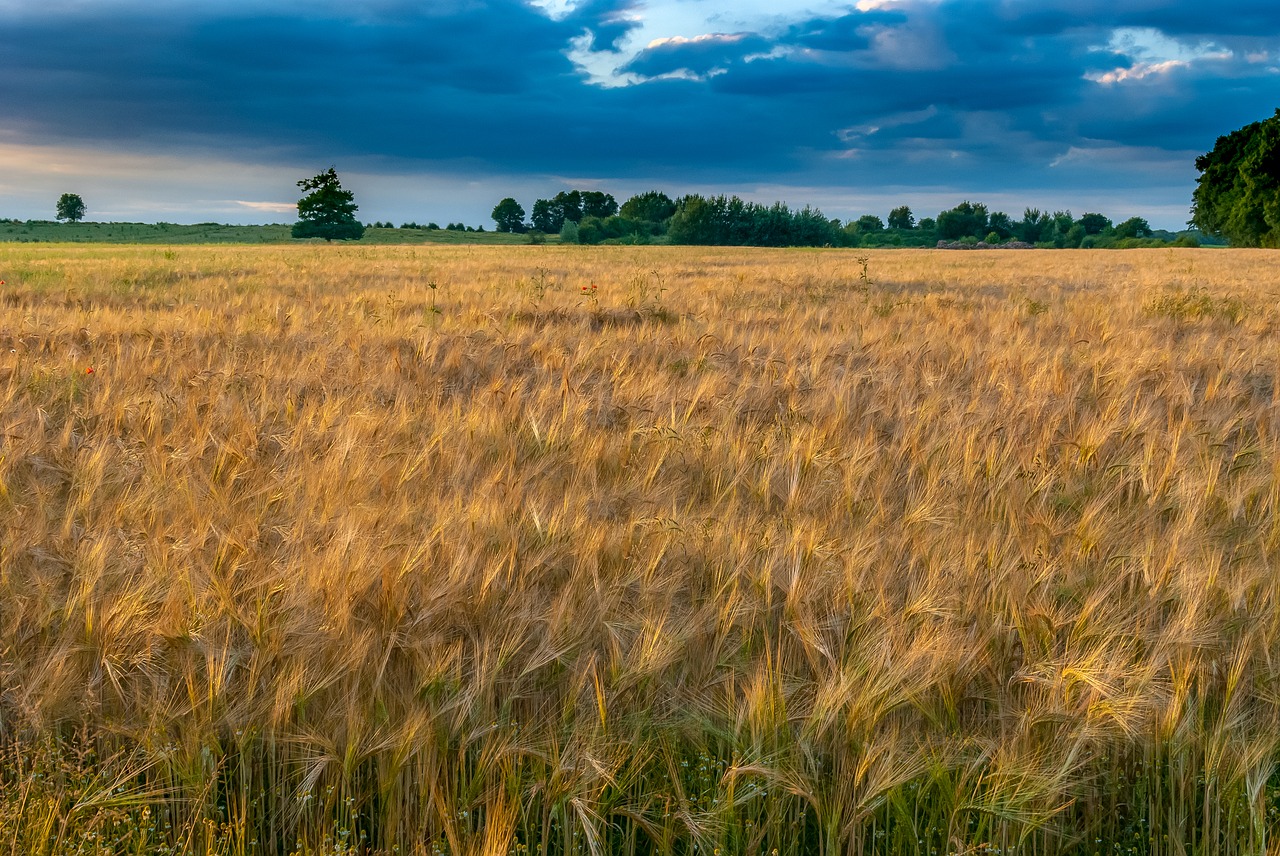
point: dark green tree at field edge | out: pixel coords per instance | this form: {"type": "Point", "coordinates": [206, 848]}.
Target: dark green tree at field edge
{"type": "Point", "coordinates": [327, 211]}
{"type": "Point", "coordinates": [509, 215]}
{"type": "Point", "coordinates": [1237, 194]}
{"type": "Point", "coordinates": [70, 208]}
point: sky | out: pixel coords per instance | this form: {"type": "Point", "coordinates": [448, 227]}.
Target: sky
{"type": "Point", "coordinates": [212, 110]}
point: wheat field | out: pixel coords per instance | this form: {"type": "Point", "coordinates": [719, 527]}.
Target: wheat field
{"type": "Point", "coordinates": [561, 550]}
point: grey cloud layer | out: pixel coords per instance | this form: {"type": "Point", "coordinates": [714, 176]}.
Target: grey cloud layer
{"type": "Point", "coordinates": [986, 91]}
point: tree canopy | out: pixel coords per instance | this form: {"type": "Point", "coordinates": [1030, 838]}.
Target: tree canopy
{"type": "Point", "coordinates": [902, 218]}
{"type": "Point", "coordinates": [731, 221]}
{"type": "Point", "coordinates": [1237, 194]}
{"type": "Point", "coordinates": [653, 206]}
{"type": "Point", "coordinates": [963, 220]}
{"type": "Point", "coordinates": [328, 211]}
{"type": "Point", "coordinates": [70, 207]}
{"type": "Point", "coordinates": [1095, 224]}
{"type": "Point", "coordinates": [549, 215]}
{"type": "Point", "coordinates": [509, 215]}
{"type": "Point", "coordinates": [1134, 227]}
{"type": "Point", "coordinates": [596, 203]}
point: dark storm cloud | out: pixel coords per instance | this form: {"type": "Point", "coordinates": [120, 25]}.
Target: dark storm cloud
{"type": "Point", "coordinates": [270, 73]}
{"type": "Point", "coordinates": [489, 83]}
{"type": "Point", "coordinates": [843, 33]}
{"type": "Point", "coordinates": [1254, 18]}
{"type": "Point", "coordinates": [608, 21]}
{"type": "Point", "coordinates": [699, 56]}
{"type": "Point", "coordinates": [1043, 78]}
{"type": "Point", "coordinates": [989, 92]}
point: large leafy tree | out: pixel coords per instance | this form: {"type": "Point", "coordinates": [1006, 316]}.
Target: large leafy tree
{"type": "Point", "coordinates": [1237, 195]}
{"type": "Point", "coordinates": [570, 205]}
{"type": "Point", "coordinates": [1035, 226]}
{"type": "Point", "coordinates": [598, 204]}
{"type": "Point", "coordinates": [902, 218]}
{"type": "Point", "coordinates": [547, 216]}
{"type": "Point", "coordinates": [966, 219]}
{"type": "Point", "coordinates": [1134, 227]}
{"type": "Point", "coordinates": [70, 207]}
{"type": "Point", "coordinates": [327, 211]}
{"type": "Point", "coordinates": [509, 215]}
{"type": "Point", "coordinates": [1094, 224]}
{"type": "Point", "coordinates": [653, 206]}
{"type": "Point", "coordinates": [1000, 223]}
{"type": "Point", "coordinates": [550, 215]}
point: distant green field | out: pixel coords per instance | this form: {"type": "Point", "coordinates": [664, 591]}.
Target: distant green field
{"type": "Point", "coordinates": [48, 231]}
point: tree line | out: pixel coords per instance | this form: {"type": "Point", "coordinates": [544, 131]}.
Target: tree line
{"type": "Point", "coordinates": [1236, 200]}
{"type": "Point", "coordinates": [594, 217]}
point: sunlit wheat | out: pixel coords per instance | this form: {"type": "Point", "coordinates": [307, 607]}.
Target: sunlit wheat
{"type": "Point", "coordinates": [481, 550]}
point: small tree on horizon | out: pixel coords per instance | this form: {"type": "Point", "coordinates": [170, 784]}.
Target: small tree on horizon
{"type": "Point", "coordinates": [70, 207]}
{"type": "Point", "coordinates": [509, 215]}
{"type": "Point", "coordinates": [328, 211]}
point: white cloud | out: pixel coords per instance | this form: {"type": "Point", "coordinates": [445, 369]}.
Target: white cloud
{"type": "Point", "coordinates": [600, 68]}
{"type": "Point", "coordinates": [704, 38]}
{"type": "Point", "coordinates": [1155, 54]}
{"type": "Point", "coordinates": [1148, 158]}
{"type": "Point", "coordinates": [873, 5]}
{"type": "Point", "coordinates": [1150, 44]}
{"type": "Point", "coordinates": [273, 207]}
{"type": "Point", "coordinates": [1138, 71]}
